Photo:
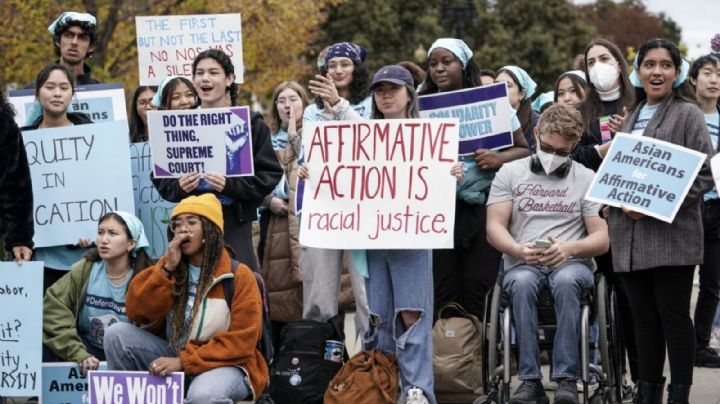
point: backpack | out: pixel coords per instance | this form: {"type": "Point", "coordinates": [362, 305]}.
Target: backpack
{"type": "Point", "coordinates": [264, 345]}
{"type": "Point", "coordinates": [369, 377]}
{"type": "Point", "coordinates": [457, 355]}
{"type": "Point", "coordinates": [300, 374]}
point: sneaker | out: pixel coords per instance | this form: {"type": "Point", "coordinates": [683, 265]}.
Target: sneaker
{"type": "Point", "coordinates": [627, 393]}
{"type": "Point", "coordinates": [567, 392]}
{"type": "Point", "coordinates": [530, 392]}
{"type": "Point", "coordinates": [707, 358]}
{"type": "Point", "coordinates": [416, 396]}
{"type": "Point", "coordinates": [592, 386]}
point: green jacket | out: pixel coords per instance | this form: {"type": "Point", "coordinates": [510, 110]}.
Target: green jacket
{"type": "Point", "coordinates": [61, 306]}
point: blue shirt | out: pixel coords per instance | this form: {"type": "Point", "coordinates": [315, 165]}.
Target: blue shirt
{"type": "Point", "coordinates": [646, 113]}
{"type": "Point", "coordinates": [279, 140]}
{"type": "Point", "coordinates": [713, 123]}
{"type": "Point", "coordinates": [103, 306]}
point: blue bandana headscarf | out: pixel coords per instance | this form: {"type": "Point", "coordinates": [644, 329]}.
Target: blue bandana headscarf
{"type": "Point", "coordinates": [157, 98]}
{"type": "Point", "coordinates": [684, 69]}
{"type": "Point", "coordinates": [542, 99]}
{"type": "Point", "coordinates": [526, 82]}
{"type": "Point", "coordinates": [72, 16]}
{"type": "Point", "coordinates": [578, 73]}
{"type": "Point", "coordinates": [457, 46]}
{"type": "Point", "coordinates": [136, 230]}
{"type": "Point", "coordinates": [346, 50]}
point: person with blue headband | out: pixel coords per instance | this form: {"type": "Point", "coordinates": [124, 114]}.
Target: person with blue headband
{"type": "Point", "coordinates": [655, 260]}
{"type": "Point", "coordinates": [704, 77]}
{"type": "Point", "coordinates": [79, 307]}
{"type": "Point", "coordinates": [75, 40]}
{"type": "Point", "coordinates": [521, 88]}
{"type": "Point", "coordinates": [465, 273]}
{"type": "Point", "coordinates": [570, 88]}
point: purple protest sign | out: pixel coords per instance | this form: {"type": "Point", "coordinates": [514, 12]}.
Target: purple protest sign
{"type": "Point", "coordinates": [119, 387]}
{"type": "Point", "coordinates": [216, 140]}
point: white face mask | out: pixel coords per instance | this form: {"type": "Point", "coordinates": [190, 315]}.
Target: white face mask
{"type": "Point", "coordinates": [603, 76]}
{"type": "Point", "coordinates": [550, 161]}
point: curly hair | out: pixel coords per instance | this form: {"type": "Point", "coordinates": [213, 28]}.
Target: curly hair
{"type": "Point", "coordinates": [227, 65]}
{"type": "Point", "coordinates": [137, 128]}
{"type": "Point", "coordinates": [359, 86]}
{"type": "Point", "coordinates": [212, 251]}
{"type": "Point", "coordinates": [561, 120]}
{"type": "Point", "coordinates": [87, 28]}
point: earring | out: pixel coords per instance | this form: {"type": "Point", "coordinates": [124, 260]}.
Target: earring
{"type": "Point", "coordinates": [203, 241]}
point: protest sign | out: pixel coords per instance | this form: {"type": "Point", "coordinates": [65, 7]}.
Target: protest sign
{"type": "Point", "coordinates": [168, 44]}
{"type": "Point", "coordinates": [484, 112]}
{"type": "Point", "coordinates": [63, 384]}
{"type": "Point", "coordinates": [646, 175]}
{"type": "Point", "coordinates": [21, 298]}
{"type": "Point", "coordinates": [152, 210]}
{"type": "Point", "coordinates": [78, 174]}
{"type": "Point", "coordinates": [101, 102]}
{"type": "Point", "coordinates": [120, 387]}
{"type": "Point", "coordinates": [381, 184]}
{"type": "Point", "coordinates": [215, 140]}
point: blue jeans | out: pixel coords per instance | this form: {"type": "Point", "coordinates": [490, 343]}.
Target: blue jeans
{"type": "Point", "coordinates": [402, 280]}
{"type": "Point", "coordinates": [128, 347]}
{"type": "Point", "coordinates": [566, 283]}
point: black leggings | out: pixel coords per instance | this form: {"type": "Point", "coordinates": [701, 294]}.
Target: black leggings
{"type": "Point", "coordinates": [660, 303]}
{"type": "Point", "coordinates": [709, 291]}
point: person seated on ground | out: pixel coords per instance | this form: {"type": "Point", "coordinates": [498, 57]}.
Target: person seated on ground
{"type": "Point", "coordinates": [548, 233]}
{"type": "Point", "coordinates": [79, 307]}
{"type": "Point", "coordinates": [185, 322]}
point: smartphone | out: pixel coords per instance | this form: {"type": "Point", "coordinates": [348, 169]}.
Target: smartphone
{"type": "Point", "coordinates": [542, 243]}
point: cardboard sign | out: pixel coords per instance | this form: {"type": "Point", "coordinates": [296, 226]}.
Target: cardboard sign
{"type": "Point", "coordinates": [168, 44]}
{"type": "Point", "coordinates": [101, 102]}
{"type": "Point", "coordinates": [647, 175]}
{"type": "Point", "coordinates": [79, 173]}
{"type": "Point", "coordinates": [153, 211]}
{"type": "Point", "coordinates": [119, 387]}
{"type": "Point", "coordinates": [216, 140]}
{"type": "Point", "coordinates": [63, 384]}
{"type": "Point", "coordinates": [484, 112]}
{"type": "Point", "coordinates": [382, 184]}
{"type": "Point", "coordinates": [21, 297]}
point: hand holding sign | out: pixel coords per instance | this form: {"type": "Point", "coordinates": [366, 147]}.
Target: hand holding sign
{"type": "Point", "coordinates": [487, 159]}
{"type": "Point", "coordinates": [21, 254]}
{"type": "Point", "coordinates": [164, 366]}
{"type": "Point", "coordinates": [189, 182]}
{"type": "Point", "coordinates": [632, 214]}
{"type": "Point", "coordinates": [87, 364]}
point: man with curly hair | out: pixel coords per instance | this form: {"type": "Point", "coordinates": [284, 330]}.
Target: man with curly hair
{"type": "Point", "coordinates": [75, 38]}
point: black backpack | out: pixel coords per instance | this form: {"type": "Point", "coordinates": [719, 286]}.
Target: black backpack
{"type": "Point", "coordinates": [300, 373]}
{"type": "Point", "coordinates": [264, 345]}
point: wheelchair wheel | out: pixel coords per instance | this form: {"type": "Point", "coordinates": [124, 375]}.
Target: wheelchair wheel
{"type": "Point", "coordinates": [493, 332]}
{"type": "Point", "coordinates": [603, 309]}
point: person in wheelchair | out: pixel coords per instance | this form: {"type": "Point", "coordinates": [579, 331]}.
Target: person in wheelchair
{"type": "Point", "coordinates": [548, 233]}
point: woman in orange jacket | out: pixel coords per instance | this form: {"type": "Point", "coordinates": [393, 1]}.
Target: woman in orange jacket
{"type": "Point", "coordinates": [187, 324]}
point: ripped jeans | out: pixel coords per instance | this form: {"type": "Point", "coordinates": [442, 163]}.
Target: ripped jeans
{"type": "Point", "coordinates": [402, 280]}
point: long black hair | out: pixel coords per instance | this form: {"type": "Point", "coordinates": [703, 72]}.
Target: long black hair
{"type": "Point", "coordinates": [87, 28]}
{"type": "Point", "coordinates": [137, 127]}
{"type": "Point", "coordinates": [683, 91]}
{"type": "Point", "coordinates": [359, 86]}
{"type": "Point", "coordinates": [224, 61]}
{"type": "Point", "coordinates": [471, 78]}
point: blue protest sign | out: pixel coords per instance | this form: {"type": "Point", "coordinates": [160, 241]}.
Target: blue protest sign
{"type": "Point", "coordinates": [78, 173]}
{"type": "Point", "coordinates": [484, 112]}
{"type": "Point", "coordinates": [62, 383]}
{"type": "Point", "coordinates": [101, 102]}
{"type": "Point", "coordinates": [21, 298]}
{"type": "Point", "coordinates": [118, 387]}
{"type": "Point", "coordinates": [152, 210]}
{"type": "Point", "coordinates": [647, 175]}
{"type": "Point", "coordinates": [215, 140]}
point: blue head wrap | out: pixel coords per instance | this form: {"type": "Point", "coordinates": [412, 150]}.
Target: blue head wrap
{"type": "Point", "coordinates": [524, 79]}
{"type": "Point", "coordinates": [578, 73]}
{"type": "Point", "coordinates": [457, 46]}
{"type": "Point", "coordinates": [684, 69]}
{"type": "Point", "coordinates": [68, 16]}
{"type": "Point", "coordinates": [542, 99]}
{"type": "Point", "coordinates": [137, 231]}
{"type": "Point", "coordinates": [36, 111]}
{"type": "Point", "coordinates": [157, 98]}
{"type": "Point", "coordinates": [346, 50]}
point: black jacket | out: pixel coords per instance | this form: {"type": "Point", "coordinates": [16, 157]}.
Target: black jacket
{"type": "Point", "coordinates": [16, 198]}
{"type": "Point", "coordinates": [585, 153]}
{"type": "Point", "coordinates": [81, 79]}
{"type": "Point", "coordinates": [246, 192]}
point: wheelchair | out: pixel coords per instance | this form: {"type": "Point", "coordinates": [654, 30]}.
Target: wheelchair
{"type": "Point", "coordinates": [596, 305]}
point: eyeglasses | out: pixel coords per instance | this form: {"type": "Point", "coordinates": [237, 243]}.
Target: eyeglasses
{"type": "Point", "coordinates": [175, 225]}
{"type": "Point", "coordinates": [343, 66]}
{"type": "Point", "coordinates": [288, 101]}
{"type": "Point", "coordinates": [549, 149]}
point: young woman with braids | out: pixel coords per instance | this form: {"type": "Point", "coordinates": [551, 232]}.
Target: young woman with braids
{"type": "Point", "coordinates": [185, 321]}
{"type": "Point", "coordinates": [214, 80]}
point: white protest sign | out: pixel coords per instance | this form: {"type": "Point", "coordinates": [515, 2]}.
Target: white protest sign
{"type": "Point", "coordinates": [79, 173]}
{"type": "Point", "coordinates": [382, 184]}
{"type": "Point", "coordinates": [168, 44]}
